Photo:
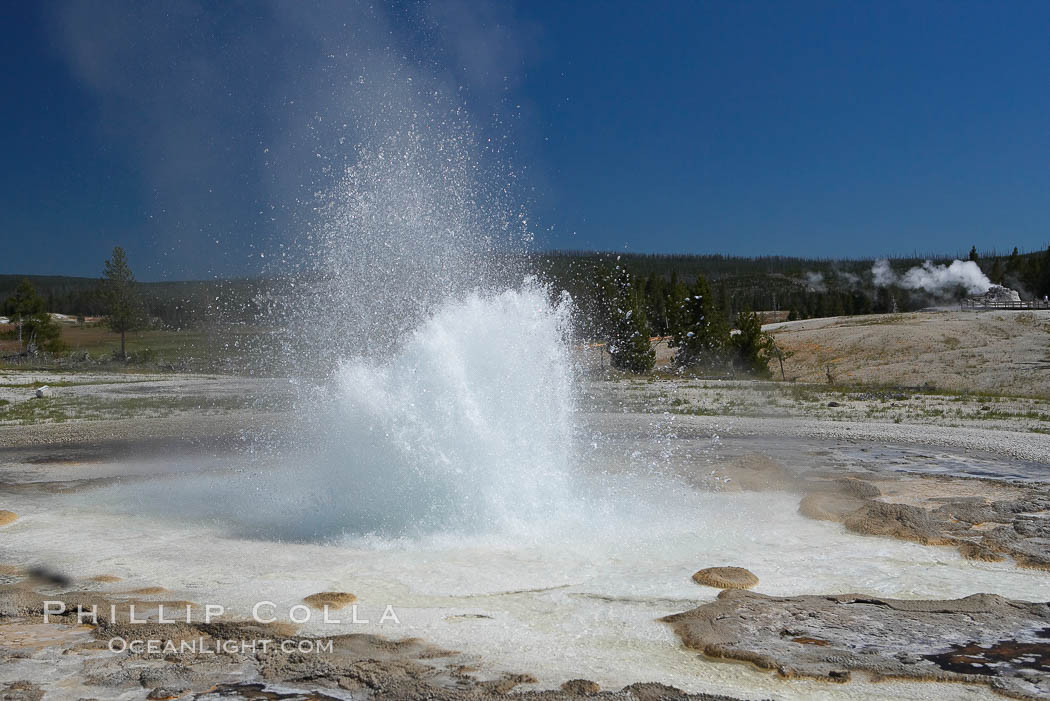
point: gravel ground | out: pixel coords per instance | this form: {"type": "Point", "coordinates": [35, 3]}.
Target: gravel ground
{"type": "Point", "coordinates": [191, 407]}
{"type": "Point", "coordinates": [748, 398]}
{"type": "Point", "coordinates": [1023, 446]}
{"type": "Point", "coordinates": [20, 386]}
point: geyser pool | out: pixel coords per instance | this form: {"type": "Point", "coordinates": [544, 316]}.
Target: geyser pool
{"type": "Point", "coordinates": [577, 596]}
{"type": "Point", "coordinates": [465, 427]}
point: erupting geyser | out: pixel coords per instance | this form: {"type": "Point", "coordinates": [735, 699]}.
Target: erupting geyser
{"type": "Point", "coordinates": [467, 427]}
{"type": "Point", "coordinates": [449, 393]}
{"type": "Point", "coordinates": [436, 384]}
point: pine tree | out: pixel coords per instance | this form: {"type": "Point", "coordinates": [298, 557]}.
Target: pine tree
{"type": "Point", "coordinates": [1013, 263]}
{"type": "Point", "coordinates": [630, 347]}
{"type": "Point", "coordinates": [998, 272]}
{"type": "Point", "coordinates": [883, 301]}
{"type": "Point", "coordinates": [973, 253]}
{"type": "Point", "coordinates": [675, 295]}
{"type": "Point", "coordinates": [1044, 275]}
{"type": "Point", "coordinates": [30, 314]}
{"type": "Point", "coordinates": [725, 300]}
{"type": "Point", "coordinates": [124, 309]}
{"type": "Point", "coordinates": [703, 334]}
{"type": "Point", "coordinates": [752, 348]}
{"type": "Point", "coordinates": [860, 302]}
{"type": "Point", "coordinates": [655, 306]}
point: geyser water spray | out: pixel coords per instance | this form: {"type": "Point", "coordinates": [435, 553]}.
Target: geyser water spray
{"type": "Point", "coordinates": [467, 427]}
{"type": "Point", "coordinates": [435, 384]}
{"type": "Point", "coordinates": [445, 369]}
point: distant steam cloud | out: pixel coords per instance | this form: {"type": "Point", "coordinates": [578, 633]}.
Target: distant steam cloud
{"type": "Point", "coordinates": [882, 274]}
{"type": "Point", "coordinates": [939, 280]}
{"type": "Point", "coordinates": [815, 282]}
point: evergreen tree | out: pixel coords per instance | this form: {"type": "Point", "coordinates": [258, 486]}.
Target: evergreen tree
{"type": "Point", "coordinates": [629, 344]}
{"type": "Point", "coordinates": [675, 297]}
{"type": "Point", "coordinates": [1013, 263]}
{"type": "Point", "coordinates": [725, 300]}
{"type": "Point", "coordinates": [655, 303]}
{"type": "Point", "coordinates": [821, 310]}
{"type": "Point", "coordinates": [973, 253]}
{"type": "Point", "coordinates": [1043, 288]}
{"type": "Point", "coordinates": [752, 348]}
{"type": "Point", "coordinates": [124, 309]}
{"type": "Point", "coordinates": [703, 335]}
{"type": "Point", "coordinates": [29, 312]}
{"type": "Point", "coordinates": [998, 272]}
{"type": "Point", "coordinates": [861, 303]}
{"type": "Point", "coordinates": [883, 301]}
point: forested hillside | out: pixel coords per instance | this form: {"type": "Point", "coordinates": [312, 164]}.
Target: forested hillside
{"type": "Point", "coordinates": [805, 287]}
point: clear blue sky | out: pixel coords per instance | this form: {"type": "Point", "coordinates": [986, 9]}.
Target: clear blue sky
{"type": "Point", "coordinates": [806, 128]}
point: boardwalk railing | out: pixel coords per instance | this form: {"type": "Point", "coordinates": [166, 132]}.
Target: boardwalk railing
{"type": "Point", "coordinates": [981, 304]}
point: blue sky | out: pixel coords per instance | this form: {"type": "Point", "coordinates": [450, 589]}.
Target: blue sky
{"type": "Point", "coordinates": [193, 135]}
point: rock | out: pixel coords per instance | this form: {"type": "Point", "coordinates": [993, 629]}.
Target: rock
{"type": "Point", "coordinates": [507, 683]}
{"type": "Point", "coordinates": [999, 538]}
{"type": "Point", "coordinates": [331, 599]}
{"type": "Point", "coordinates": [42, 392]}
{"type": "Point", "coordinates": [897, 521]}
{"type": "Point", "coordinates": [829, 507]}
{"type": "Point", "coordinates": [21, 691]}
{"type": "Point", "coordinates": [1032, 527]}
{"type": "Point", "coordinates": [580, 687]}
{"type": "Point", "coordinates": [726, 578]}
{"type": "Point", "coordinates": [106, 578]}
{"type": "Point", "coordinates": [162, 693]}
{"type": "Point", "coordinates": [1016, 506]}
{"type": "Point", "coordinates": [1032, 561]}
{"type": "Point", "coordinates": [858, 488]}
{"type": "Point", "coordinates": [655, 691]}
{"type": "Point", "coordinates": [7, 517]}
{"type": "Point", "coordinates": [834, 404]}
{"type": "Point", "coordinates": [830, 636]}
{"type": "Point", "coordinates": [970, 513]}
{"type": "Point", "coordinates": [976, 551]}
{"type": "Point", "coordinates": [755, 472]}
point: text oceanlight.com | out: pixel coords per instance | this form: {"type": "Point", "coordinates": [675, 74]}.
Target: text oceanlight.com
{"type": "Point", "coordinates": [209, 646]}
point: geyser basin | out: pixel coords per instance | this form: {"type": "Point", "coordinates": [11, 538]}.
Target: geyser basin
{"type": "Point", "coordinates": [578, 594]}
{"type": "Point", "coordinates": [454, 490]}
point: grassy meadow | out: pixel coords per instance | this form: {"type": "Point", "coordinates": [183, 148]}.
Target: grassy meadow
{"type": "Point", "coordinates": [233, 349]}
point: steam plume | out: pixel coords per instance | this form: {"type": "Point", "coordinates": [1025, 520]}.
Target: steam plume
{"type": "Point", "coordinates": [940, 280]}
{"type": "Point", "coordinates": [815, 281]}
